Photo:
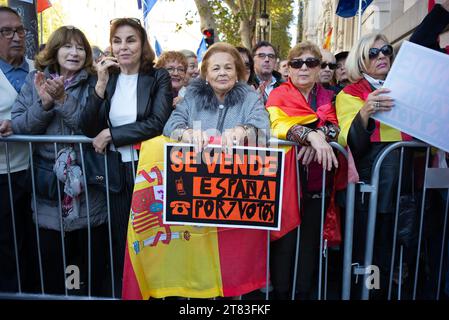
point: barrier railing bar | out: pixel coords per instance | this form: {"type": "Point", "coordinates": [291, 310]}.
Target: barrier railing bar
{"type": "Point", "coordinates": [298, 232]}
{"type": "Point", "coordinates": [400, 273]}
{"type": "Point", "coordinates": [347, 252]}
{"type": "Point", "coordinates": [61, 225]}
{"type": "Point", "coordinates": [373, 204]}
{"type": "Point", "coordinates": [396, 218]}
{"type": "Point", "coordinates": [108, 207]}
{"type": "Point", "coordinates": [326, 260]}
{"type": "Point", "coordinates": [13, 218]}
{"type": "Point", "coordinates": [267, 285]}
{"type": "Point", "coordinates": [421, 222]}
{"type": "Point", "coordinates": [33, 183]}
{"type": "Point", "coordinates": [323, 211]}
{"type": "Point", "coordinates": [89, 235]}
{"type": "Point", "coordinates": [45, 296]}
{"type": "Point", "coordinates": [443, 245]}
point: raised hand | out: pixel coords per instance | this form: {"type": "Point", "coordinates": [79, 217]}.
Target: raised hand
{"type": "Point", "coordinates": [55, 88]}
{"type": "Point", "coordinates": [41, 88]}
{"type": "Point", "coordinates": [103, 74]}
{"type": "Point", "coordinates": [376, 102]}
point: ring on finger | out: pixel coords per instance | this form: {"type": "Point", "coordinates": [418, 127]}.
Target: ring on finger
{"type": "Point", "coordinates": [376, 106]}
{"type": "Point", "coordinates": [103, 62]}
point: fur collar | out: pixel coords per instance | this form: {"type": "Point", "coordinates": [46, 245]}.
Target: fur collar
{"type": "Point", "coordinates": [206, 98]}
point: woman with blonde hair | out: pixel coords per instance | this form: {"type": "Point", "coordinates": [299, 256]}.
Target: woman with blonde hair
{"type": "Point", "coordinates": [367, 67]}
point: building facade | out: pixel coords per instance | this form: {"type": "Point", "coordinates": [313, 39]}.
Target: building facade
{"type": "Point", "coordinates": [397, 19]}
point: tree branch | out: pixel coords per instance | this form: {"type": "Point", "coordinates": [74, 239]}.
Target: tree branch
{"type": "Point", "coordinates": [253, 15]}
{"type": "Point", "coordinates": [233, 6]}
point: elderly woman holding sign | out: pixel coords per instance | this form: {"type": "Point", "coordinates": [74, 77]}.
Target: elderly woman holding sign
{"type": "Point", "coordinates": [367, 66]}
{"type": "Point", "coordinates": [220, 102]}
{"type": "Point", "coordinates": [220, 107]}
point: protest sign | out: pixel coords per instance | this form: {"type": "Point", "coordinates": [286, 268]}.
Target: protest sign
{"type": "Point", "coordinates": [242, 189]}
{"type": "Point", "coordinates": [419, 84]}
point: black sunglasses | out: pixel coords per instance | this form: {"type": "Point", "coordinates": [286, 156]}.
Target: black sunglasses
{"type": "Point", "coordinates": [331, 65]}
{"type": "Point", "coordinates": [309, 62]}
{"type": "Point", "coordinates": [386, 50]}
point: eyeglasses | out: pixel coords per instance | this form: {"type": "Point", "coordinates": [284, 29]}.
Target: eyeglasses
{"type": "Point", "coordinates": [270, 56]}
{"type": "Point", "coordinates": [331, 65]}
{"type": "Point", "coordinates": [8, 33]}
{"type": "Point", "coordinates": [309, 62]}
{"type": "Point", "coordinates": [135, 20]}
{"type": "Point", "coordinates": [172, 70]}
{"type": "Point", "coordinates": [386, 50]}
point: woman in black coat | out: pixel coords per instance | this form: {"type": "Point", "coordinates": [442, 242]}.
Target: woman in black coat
{"type": "Point", "coordinates": [130, 102]}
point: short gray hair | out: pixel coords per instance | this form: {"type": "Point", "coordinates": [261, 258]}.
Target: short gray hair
{"type": "Point", "coordinates": [188, 53]}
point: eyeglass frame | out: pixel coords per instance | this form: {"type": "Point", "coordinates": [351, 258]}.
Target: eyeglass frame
{"type": "Point", "coordinates": [373, 53]}
{"type": "Point", "coordinates": [14, 31]}
{"type": "Point", "coordinates": [263, 56]}
{"type": "Point", "coordinates": [331, 65]}
{"type": "Point", "coordinates": [172, 70]}
{"type": "Point", "coordinates": [309, 62]}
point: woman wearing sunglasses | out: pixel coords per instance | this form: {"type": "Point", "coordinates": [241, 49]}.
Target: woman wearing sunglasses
{"type": "Point", "coordinates": [301, 111]}
{"type": "Point", "coordinates": [129, 103]}
{"type": "Point", "coordinates": [367, 67]}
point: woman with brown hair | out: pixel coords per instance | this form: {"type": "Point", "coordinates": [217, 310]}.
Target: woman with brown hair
{"type": "Point", "coordinates": [176, 65]}
{"type": "Point", "coordinates": [50, 102]}
{"type": "Point", "coordinates": [130, 103]}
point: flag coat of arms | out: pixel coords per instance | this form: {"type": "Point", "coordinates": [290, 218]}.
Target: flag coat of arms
{"type": "Point", "coordinates": [164, 260]}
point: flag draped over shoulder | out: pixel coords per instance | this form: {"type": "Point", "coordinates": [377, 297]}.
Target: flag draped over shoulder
{"type": "Point", "coordinates": [349, 102]}
{"type": "Point", "coordinates": [288, 107]}
{"type": "Point", "coordinates": [198, 262]}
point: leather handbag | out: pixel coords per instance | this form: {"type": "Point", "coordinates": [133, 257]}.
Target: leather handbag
{"type": "Point", "coordinates": [95, 169]}
{"type": "Point", "coordinates": [45, 180]}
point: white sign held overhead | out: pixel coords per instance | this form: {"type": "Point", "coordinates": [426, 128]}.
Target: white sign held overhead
{"type": "Point", "coordinates": [419, 84]}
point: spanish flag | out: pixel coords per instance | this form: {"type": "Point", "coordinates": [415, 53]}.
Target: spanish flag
{"type": "Point", "coordinates": [349, 102]}
{"type": "Point", "coordinates": [42, 5]}
{"type": "Point", "coordinates": [288, 107]}
{"type": "Point", "coordinates": [164, 260]}
{"type": "Point", "coordinates": [327, 41]}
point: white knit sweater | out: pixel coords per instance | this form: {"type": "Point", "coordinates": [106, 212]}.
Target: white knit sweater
{"type": "Point", "coordinates": [18, 152]}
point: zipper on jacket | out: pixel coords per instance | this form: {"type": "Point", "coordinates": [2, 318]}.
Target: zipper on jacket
{"type": "Point", "coordinates": [221, 118]}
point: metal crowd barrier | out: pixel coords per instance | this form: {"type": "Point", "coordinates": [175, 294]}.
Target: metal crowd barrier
{"type": "Point", "coordinates": [55, 140]}
{"type": "Point", "coordinates": [434, 178]}
{"type": "Point", "coordinates": [80, 140]}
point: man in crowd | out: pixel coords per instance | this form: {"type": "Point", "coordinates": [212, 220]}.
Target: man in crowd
{"type": "Point", "coordinates": [328, 66]}
{"type": "Point", "coordinates": [341, 76]}
{"type": "Point", "coordinates": [283, 69]}
{"type": "Point", "coordinates": [264, 64]}
{"type": "Point", "coordinates": [14, 68]}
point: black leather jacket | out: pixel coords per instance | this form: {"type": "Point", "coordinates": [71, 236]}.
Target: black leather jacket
{"type": "Point", "coordinates": [154, 106]}
{"type": "Point", "coordinates": [365, 153]}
